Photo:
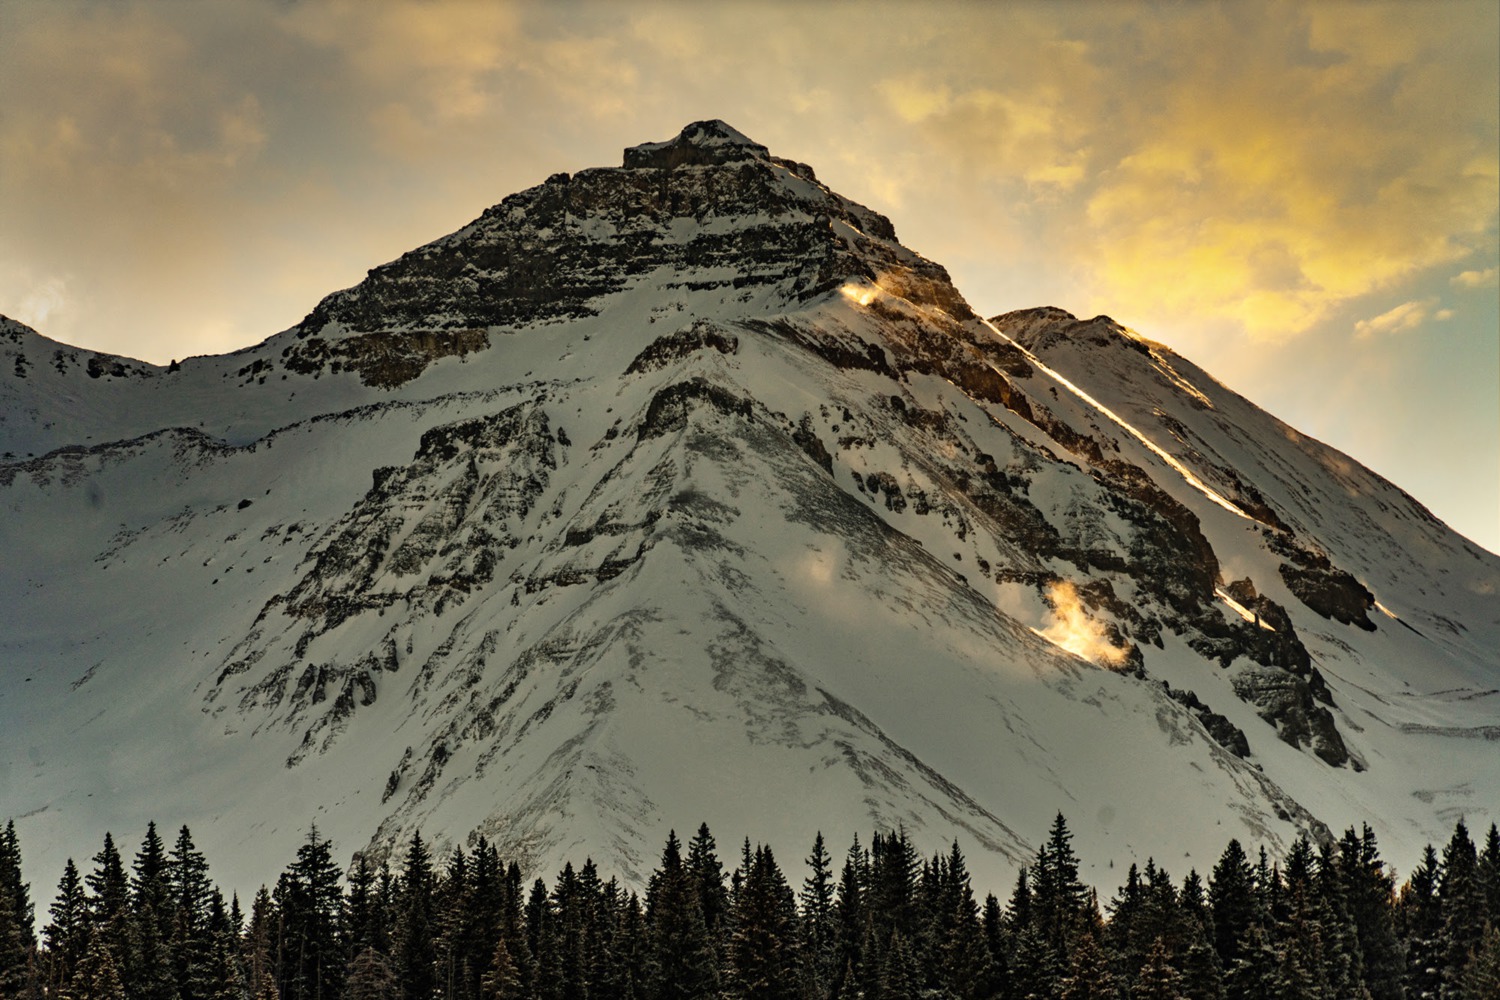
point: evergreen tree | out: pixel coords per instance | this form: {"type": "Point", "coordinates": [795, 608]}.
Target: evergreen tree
{"type": "Point", "coordinates": [1421, 923]}
{"type": "Point", "coordinates": [851, 924]}
{"type": "Point", "coordinates": [899, 978]}
{"type": "Point", "coordinates": [365, 923]}
{"type": "Point", "coordinates": [962, 958]}
{"type": "Point", "coordinates": [1489, 875]}
{"type": "Point", "coordinates": [310, 904]}
{"type": "Point", "coordinates": [1088, 976]}
{"type": "Point", "coordinates": [1462, 900]}
{"type": "Point", "coordinates": [707, 875]}
{"type": "Point", "coordinates": [223, 977]}
{"type": "Point", "coordinates": [1369, 892]}
{"type": "Point", "coordinates": [67, 935]}
{"type": "Point", "coordinates": [763, 951]}
{"type": "Point", "coordinates": [819, 929]}
{"type": "Point", "coordinates": [17, 919]}
{"type": "Point", "coordinates": [1231, 895]}
{"type": "Point", "coordinates": [1481, 980]}
{"type": "Point", "coordinates": [1157, 979]}
{"type": "Point", "coordinates": [189, 897]}
{"type": "Point", "coordinates": [541, 932]}
{"type": "Point", "coordinates": [109, 904]}
{"type": "Point", "coordinates": [684, 964]}
{"type": "Point", "coordinates": [262, 948]}
{"type": "Point", "coordinates": [1256, 972]}
{"type": "Point", "coordinates": [372, 977]}
{"type": "Point", "coordinates": [502, 981]}
{"type": "Point", "coordinates": [415, 951]}
{"type": "Point", "coordinates": [96, 977]}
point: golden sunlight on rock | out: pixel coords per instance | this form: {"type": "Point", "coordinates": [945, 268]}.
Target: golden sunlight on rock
{"type": "Point", "coordinates": [1075, 631]}
{"type": "Point", "coordinates": [862, 294]}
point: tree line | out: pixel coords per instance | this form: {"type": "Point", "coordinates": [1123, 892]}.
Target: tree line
{"type": "Point", "coordinates": [1324, 922]}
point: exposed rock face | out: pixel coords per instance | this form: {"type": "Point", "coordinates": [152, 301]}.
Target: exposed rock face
{"type": "Point", "coordinates": [709, 205]}
{"type": "Point", "coordinates": [728, 479]}
{"type": "Point", "coordinates": [1286, 701]}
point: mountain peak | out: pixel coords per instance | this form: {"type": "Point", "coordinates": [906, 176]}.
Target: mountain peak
{"type": "Point", "coordinates": [704, 143]}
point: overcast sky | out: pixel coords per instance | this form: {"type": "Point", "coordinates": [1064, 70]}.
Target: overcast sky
{"type": "Point", "coordinates": [1300, 197]}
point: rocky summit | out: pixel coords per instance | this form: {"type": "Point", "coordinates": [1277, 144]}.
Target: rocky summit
{"type": "Point", "coordinates": [682, 491]}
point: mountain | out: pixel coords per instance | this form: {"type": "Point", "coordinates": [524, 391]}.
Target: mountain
{"type": "Point", "coordinates": [683, 491]}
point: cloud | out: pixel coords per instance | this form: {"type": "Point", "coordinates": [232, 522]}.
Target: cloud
{"type": "Point", "coordinates": [1401, 319]}
{"type": "Point", "coordinates": [1227, 162]}
{"type": "Point", "coordinates": [1476, 279]}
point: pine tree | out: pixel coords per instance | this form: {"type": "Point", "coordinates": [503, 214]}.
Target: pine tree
{"type": "Point", "coordinates": [1088, 976]}
{"type": "Point", "coordinates": [109, 904]}
{"type": "Point", "coordinates": [684, 964]}
{"type": "Point", "coordinates": [189, 896]}
{"type": "Point", "coordinates": [1231, 895]}
{"type": "Point", "coordinates": [310, 903]}
{"type": "Point", "coordinates": [1481, 979]}
{"type": "Point", "coordinates": [96, 977]}
{"type": "Point", "coordinates": [415, 951]}
{"type": "Point", "coordinates": [17, 919]}
{"type": "Point", "coordinates": [371, 977]}
{"type": "Point", "coordinates": [763, 950]}
{"type": "Point", "coordinates": [1421, 920]}
{"type": "Point", "coordinates": [819, 929]}
{"type": "Point", "coordinates": [1157, 979]}
{"type": "Point", "coordinates": [1368, 889]}
{"type": "Point", "coordinates": [1462, 900]}
{"type": "Point", "coordinates": [67, 935]}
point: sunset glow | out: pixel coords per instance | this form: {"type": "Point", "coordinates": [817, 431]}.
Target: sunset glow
{"type": "Point", "coordinates": [1301, 197]}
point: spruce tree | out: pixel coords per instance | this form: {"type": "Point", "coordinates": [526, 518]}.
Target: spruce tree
{"type": "Point", "coordinates": [1481, 979]}
{"type": "Point", "coordinates": [260, 947]}
{"type": "Point", "coordinates": [1421, 924]}
{"type": "Point", "coordinates": [684, 960]}
{"type": "Point", "coordinates": [310, 903]}
{"type": "Point", "coordinates": [819, 929]}
{"type": "Point", "coordinates": [1231, 895]}
{"type": "Point", "coordinates": [1489, 875]}
{"type": "Point", "coordinates": [66, 936]}
{"type": "Point", "coordinates": [189, 897]}
{"type": "Point", "coordinates": [415, 950]}
{"type": "Point", "coordinates": [1462, 900]}
{"type": "Point", "coordinates": [964, 966]}
{"type": "Point", "coordinates": [96, 977]}
{"type": "Point", "coordinates": [502, 981]}
{"type": "Point", "coordinates": [1368, 890]}
{"type": "Point", "coordinates": [1157, 979]}
{"type": "Point", "coordinates": [1088, 976]}
{"type": "Point", "coordinates": [371, 977]}
{"type": "Point", "coordinates": [109, 904]}
{"type": "Point", "coordinates": [17, 919]}
{"type": "Point", "coordinates": [763, 950]}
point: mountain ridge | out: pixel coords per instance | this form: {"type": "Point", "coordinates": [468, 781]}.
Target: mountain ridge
{"type": "Point", "coordinates": [660, 489]}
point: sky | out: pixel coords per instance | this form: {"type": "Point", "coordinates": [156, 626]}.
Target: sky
{"type": "Point", "coordinates": [1300, 197]}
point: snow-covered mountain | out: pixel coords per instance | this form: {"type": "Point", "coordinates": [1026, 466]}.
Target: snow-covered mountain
{"type": "Point", "coordinates": [683, 491]}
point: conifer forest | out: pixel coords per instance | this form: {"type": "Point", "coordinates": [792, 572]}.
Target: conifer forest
{"type": "Point", "coordinates": [1325, 922]}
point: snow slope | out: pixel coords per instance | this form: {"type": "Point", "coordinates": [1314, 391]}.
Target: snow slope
{"type": "Point", "coordinates": [682, 491]}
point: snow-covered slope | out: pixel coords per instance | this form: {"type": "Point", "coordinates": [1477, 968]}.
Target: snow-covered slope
{"type": "Point", "coordinates": [682, 491]}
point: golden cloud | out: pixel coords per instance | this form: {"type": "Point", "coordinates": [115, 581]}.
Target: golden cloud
{"type": "Point", "coordinates": [1228, 162]}
{"type": "Point", "coordinates": [1406, 316]}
